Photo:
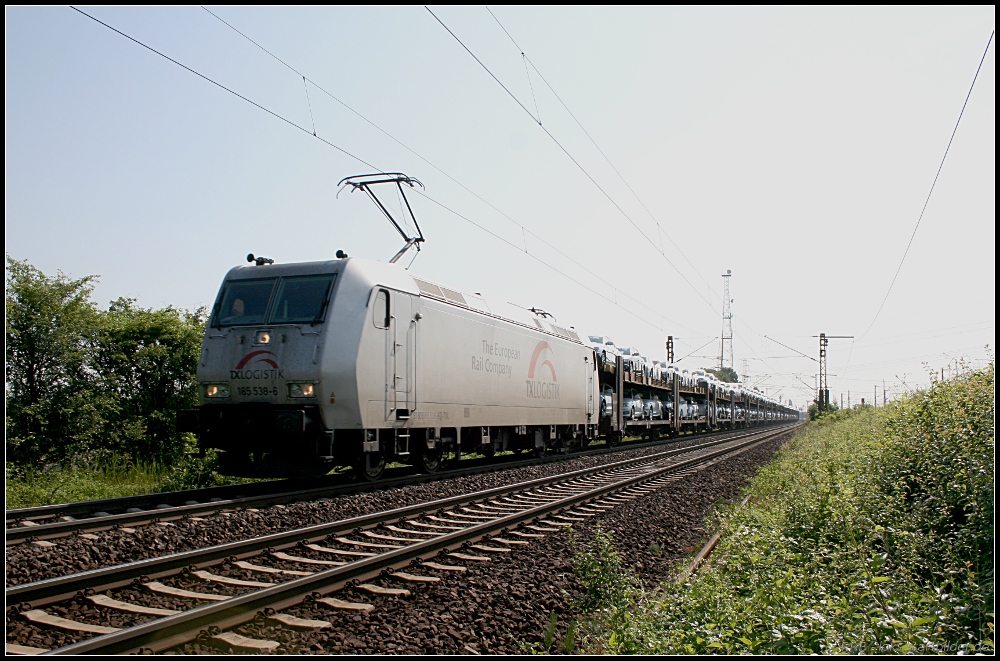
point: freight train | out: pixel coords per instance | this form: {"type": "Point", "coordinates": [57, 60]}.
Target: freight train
{"type": "Point", "coordinates": [355, 362]}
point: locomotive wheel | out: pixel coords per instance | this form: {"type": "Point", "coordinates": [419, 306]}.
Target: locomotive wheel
{"type": "Point", "coordinates": [370, 467]}
{"type": "Point", "coordinates": [430, 460]}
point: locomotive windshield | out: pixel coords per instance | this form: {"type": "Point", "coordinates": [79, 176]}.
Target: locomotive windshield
{"type": "Point", "coordinates": [301, 300]}
{"type": "Point", "coordinates": [244, 302]}
{"type": "Point", "coordinates": [295, 300]}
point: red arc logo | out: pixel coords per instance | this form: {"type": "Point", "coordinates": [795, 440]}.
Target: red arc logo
{"type": "Point", "coordinates": [254, 354]}
{"type": "Point", "coordinates": [541, 347]}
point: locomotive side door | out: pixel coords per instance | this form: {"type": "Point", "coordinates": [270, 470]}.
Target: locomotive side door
{"type": "Point", "coordinates": [591, 392]}
{"type": "Point", "coordinates": [382, 319]}
{"type": "Point", "coordinates": [403, 357]}
{"type": "Point", "coordinates": [392, 314]}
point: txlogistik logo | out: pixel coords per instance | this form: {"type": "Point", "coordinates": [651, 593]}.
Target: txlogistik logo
{"type": "Point", "coordinates": [242, 371]}
{"type": "Point", "coordinates": [535, 387]}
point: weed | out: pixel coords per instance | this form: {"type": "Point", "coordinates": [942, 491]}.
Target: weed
{"type": "Point", "coordinates": [569, 640]}
{"type": "Point", "coordinates": [870, 532]}
{"type": "Point", "coordinates": [607, 583]}
{"type": "Point", "coordinates": [550, 631]}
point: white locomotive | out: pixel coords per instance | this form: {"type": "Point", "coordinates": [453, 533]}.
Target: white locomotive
{"type": "Point", "coordinates": [353, 362]}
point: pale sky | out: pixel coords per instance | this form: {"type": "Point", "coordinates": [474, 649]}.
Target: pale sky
{"type": "Point", "coordinates": [795, 146]}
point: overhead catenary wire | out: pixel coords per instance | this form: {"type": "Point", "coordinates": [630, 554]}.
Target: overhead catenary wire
{"type": "Point", "coordinates": [933, 184]}
{"type": "Point", "coordinates": [524, 60]}
{"type": "Point", "coordinates": [485, 68]}
{"type": "Point", "coordinates": [543, 262]}
{"type": "Point", "coordinates": [221, 86]}
{"type": "Point", "coordinates": [570, 156]}
{"type": "Point", "coordinates": [617, 172]}
{"type": "Point", "coordinates": [656, 222]}
{"type": "Point", "coordinates": [524, 229]}
{"type": "Point", "coordinates": [791, 349]}
{"type": "Point", "coordinates": [574, 161]}
{"type": "Point", "coordinates": [698, 349]}
{"type": "Point", "coordinates": [361, 160]}
{"type": "Point", "coordinates": [309, 101]}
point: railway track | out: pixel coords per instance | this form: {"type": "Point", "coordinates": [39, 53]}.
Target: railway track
{"type": "Point", "coordinates": [163, 602]}
{"type": "Point", "coordinates": [45, 523]}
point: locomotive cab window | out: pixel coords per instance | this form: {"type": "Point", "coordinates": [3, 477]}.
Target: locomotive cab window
{"type": "Point", "coordinates": [244, 302]}
{"type": "Point", "coordinates": [302, 299]}
{"type": "Point", "coordinates": [380, 312]}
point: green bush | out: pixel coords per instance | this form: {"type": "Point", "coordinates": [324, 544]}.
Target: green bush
{"type": "Point", "coordinates": [85, 385]}
{"type": "Point", "coordinates": [871, 532]}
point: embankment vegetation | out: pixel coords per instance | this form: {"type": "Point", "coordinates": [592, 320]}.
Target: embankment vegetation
{"type": "Point", "coordinates": [871, 532]}
{"type": "Point", "coordinates": [91, 394]}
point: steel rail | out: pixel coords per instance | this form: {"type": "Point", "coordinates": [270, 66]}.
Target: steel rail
{"type": "Point", "coordinates": [183, 627]}
{"type": "Point", "coordinates": [156, 501]}
{"type": "Point", "coordinates": [157, 507]}
{"type": "Point", "coordinates": [53, 590]}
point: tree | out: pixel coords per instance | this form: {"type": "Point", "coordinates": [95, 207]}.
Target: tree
{"type": "Point", "coordinates": [726, 374]}
{"type": "Point", "coordinates": [49, 329]}
{"type": "Point", "coordinates": [146, 362]}
{"type": "Point", "coordinates": [815, 412]}
{"type": "Point", "coordinates": [82, 383]}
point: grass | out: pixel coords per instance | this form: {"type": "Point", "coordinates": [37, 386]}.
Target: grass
{"type": "Point", "coordinates": [31, 488]}
{"type": "Point", "coordinates": [110, 478]}
{"type": "Point", "coordinates": [114, 477]}
{"type": "Point", "coordinates": [871, 532]}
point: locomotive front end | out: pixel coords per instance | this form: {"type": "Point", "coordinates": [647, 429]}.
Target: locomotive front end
{"type": "Point", "coordinates": [259, 377]}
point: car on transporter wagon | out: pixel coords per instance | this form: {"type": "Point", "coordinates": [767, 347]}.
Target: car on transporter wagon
{"type": "Point", "coordinates": [632, 359]}
{"type": "Point", "coordinates": [604, 347]}
{"type": "Point", "coordinates": [653, 408]}
{"type": "Point", "coordinates": [632, 406]}
{"type": "Point", "coordinates": [607, 401]}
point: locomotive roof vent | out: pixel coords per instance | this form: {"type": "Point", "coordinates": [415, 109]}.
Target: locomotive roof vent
{"type": "Point", "coordinates": [260, 261]}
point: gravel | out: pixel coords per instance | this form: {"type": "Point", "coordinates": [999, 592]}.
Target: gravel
{"type": "Point", "coordinates": [503, 606]}
{"type": "Point", "coordinates": [28, 562]}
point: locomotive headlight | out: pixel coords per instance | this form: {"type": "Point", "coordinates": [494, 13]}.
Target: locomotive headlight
{"type": "Point", "coordinates": [263, 337]}
{"type": "Point", "coordinates": [301, 390]}
{"type": "Point", "coordinates": [217, 390]}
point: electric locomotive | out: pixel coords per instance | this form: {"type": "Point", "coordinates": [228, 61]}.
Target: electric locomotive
{"type": "Point", "coordinates": [355, 362]}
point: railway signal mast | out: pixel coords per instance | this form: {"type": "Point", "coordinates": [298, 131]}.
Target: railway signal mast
{"type": "Point", "coordinates": [823, 394]}
{"type": "Point", "coordinates": [727, 322]}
